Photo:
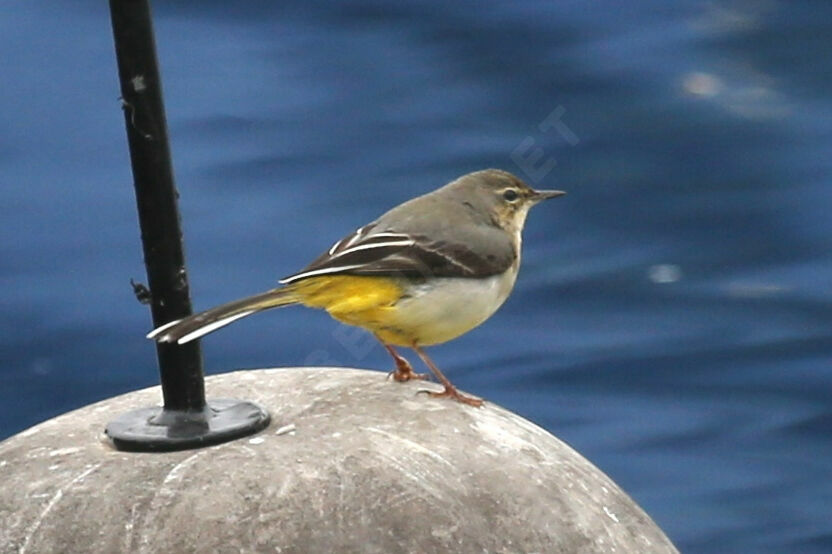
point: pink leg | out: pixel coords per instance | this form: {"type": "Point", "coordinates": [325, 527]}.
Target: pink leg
{"type": "Point", "coordinates": [404, 371]}
{"type": "Point", "coordinates": [450, 390]}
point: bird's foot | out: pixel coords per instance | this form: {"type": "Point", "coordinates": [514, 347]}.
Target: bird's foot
{"type": "Point", "coordinates": [451, 392]}
{"type": "Point", "coordinates": [404, 372]}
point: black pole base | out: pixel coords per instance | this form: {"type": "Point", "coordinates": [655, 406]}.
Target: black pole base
{"type": "Point", "coordinates": [159, 430]}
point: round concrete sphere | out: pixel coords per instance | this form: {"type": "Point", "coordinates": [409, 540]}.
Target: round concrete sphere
{"type": "Point", "coordinates": [352, 462]}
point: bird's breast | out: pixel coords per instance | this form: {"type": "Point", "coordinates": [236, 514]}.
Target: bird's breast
{"type": "Point", "coordinates": [443, 308]}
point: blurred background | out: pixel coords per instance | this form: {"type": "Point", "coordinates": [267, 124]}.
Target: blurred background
{"type": "Point", "coordinates": [672, 319]}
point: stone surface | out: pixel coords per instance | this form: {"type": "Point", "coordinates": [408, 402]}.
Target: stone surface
{"type": "Point", "coordinates": [352, 462]}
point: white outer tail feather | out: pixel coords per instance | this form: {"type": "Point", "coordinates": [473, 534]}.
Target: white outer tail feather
{"type": "Point", "coordinates": [213, 326]}
{"type": "Point", "coordinates": [159, 330]}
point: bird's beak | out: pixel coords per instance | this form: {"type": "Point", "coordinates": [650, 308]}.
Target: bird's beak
{"type": "Point", "coordinates": [540, 195]}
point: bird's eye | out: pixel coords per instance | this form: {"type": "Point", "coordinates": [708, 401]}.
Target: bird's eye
{"type": "Point", "coordinates": [510, 195]}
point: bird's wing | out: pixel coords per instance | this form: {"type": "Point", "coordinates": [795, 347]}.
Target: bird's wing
{"type": "Point", "coordinates": [370, 251]}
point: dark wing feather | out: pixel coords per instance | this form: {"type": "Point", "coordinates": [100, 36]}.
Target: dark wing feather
{"type": "Point", "coordinates": [400, 254]}
{"type": "Point", "coordinates": [435, 258]}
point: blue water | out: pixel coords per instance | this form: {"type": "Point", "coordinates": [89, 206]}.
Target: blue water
{"type": "Point", "coordinates": [673, 318]}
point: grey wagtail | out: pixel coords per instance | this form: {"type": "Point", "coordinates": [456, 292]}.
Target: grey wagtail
{"type": "Point", "coordinates": [423, 273]}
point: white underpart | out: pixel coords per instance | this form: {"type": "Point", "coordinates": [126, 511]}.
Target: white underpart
{"type": "Point", "coordinates": [213, 327]}
{"type": "Point", "coordinates": [158, 330]}
{"type": "Point", "coordinates": [444, 308]}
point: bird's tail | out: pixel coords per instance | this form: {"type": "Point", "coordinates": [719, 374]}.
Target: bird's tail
{"type": "Point", "coordinates": [196, 325]}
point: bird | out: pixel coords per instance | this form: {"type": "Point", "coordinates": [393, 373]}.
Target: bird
{"type": "Point", "coordinates": [423, 273]}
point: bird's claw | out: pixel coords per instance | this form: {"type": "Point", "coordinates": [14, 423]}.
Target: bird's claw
{"type": "Point", "coordinates": [404, 375]}
{"type": "Point", "coordinates": [451, 392]}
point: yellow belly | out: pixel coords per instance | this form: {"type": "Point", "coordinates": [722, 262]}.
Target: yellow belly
{"type": "Point", "coordinates": [367, 302]}
{"type": "Point", "coordinates": [402, 312]}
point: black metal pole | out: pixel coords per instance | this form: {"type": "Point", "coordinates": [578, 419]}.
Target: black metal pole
{"type": "Point", "coordinates": [144, 114]}
{"type": "Point", "coordinates": [186, 421]}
